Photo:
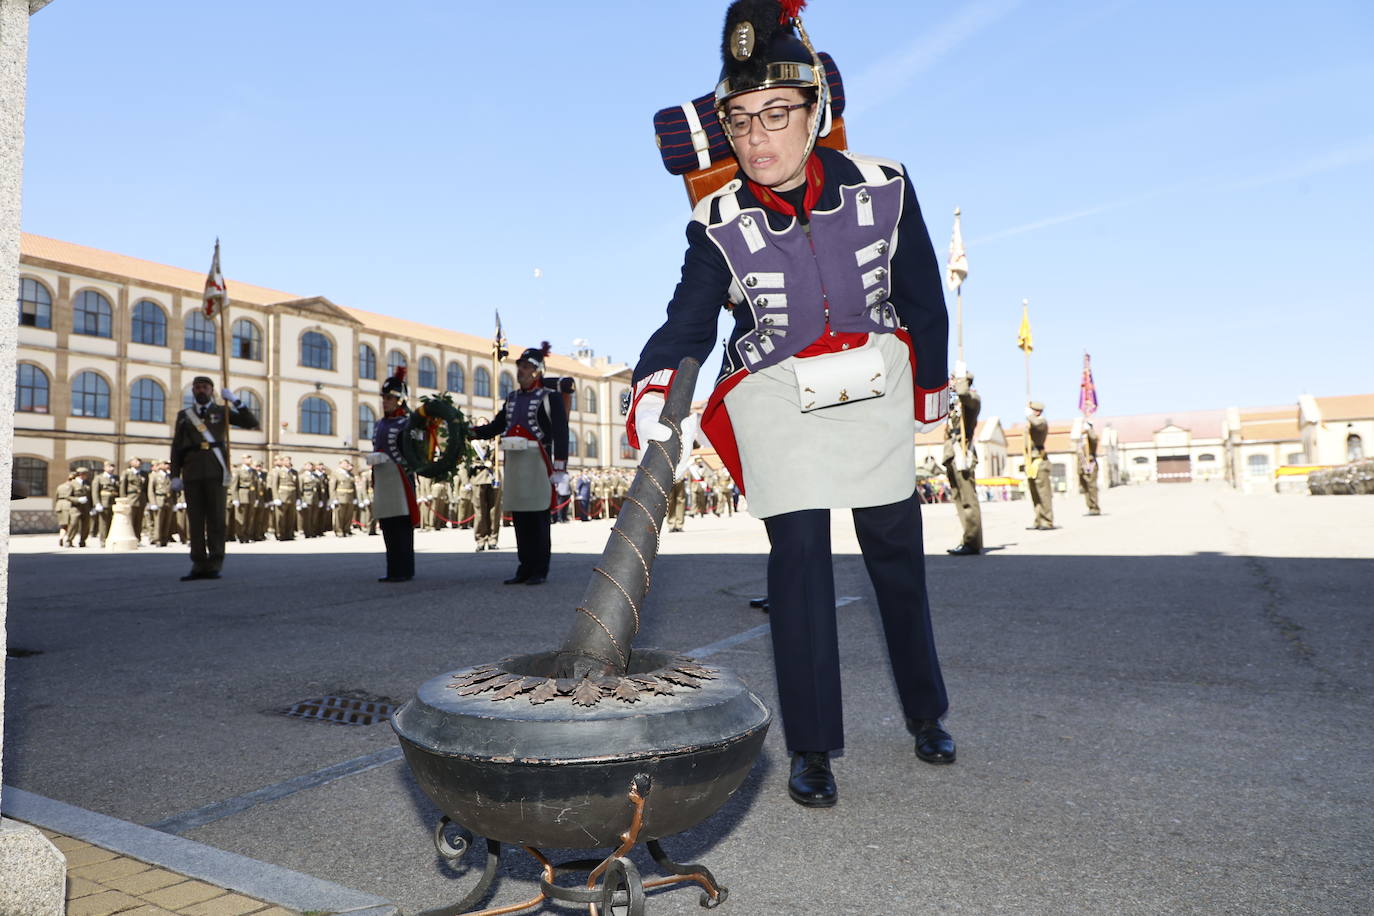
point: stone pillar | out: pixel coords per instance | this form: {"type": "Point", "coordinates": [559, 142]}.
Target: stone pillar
{"type": "Point", "coordinates": [122, 535]}
{"type": "Point", "coordinates": [33, 874]}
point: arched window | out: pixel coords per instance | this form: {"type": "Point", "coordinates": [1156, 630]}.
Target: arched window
{"type": "Point", "coordinates": [317, 417]}
{"type": "Point", "coordinates": [31, 389]}
{"type": "Point", "coordinates": [200, 333]}
{"type": "Point", "coordinates": [147, 402]}
{"type": "Point", "coordinates": [394, 360]}
{"type": "Point", "coordinates": [1354, 447]}
{"type": "Point", "coordinates": [481, 382]}
{"type": "Point", "coordinates": [1140, 459]}
{"type": "Point", "coordinates": [623, 400]}
{"type": "Point", "coordinates": [572, 444]}
{"type": "Point", "coordinates": [149, 324]}
{"type": "Point", "coordinates": [429, 373]}
{"type": "Point", "coordinates": [247, 340]}
{"type": "Point", "coordinates": [35, 304]}
{"type": "Point", "coordinates": [367, 418]}
{"type": "Point", "coordinates": [507, 384]}
{"type": "Point", "coordinates": [91, 464]}
{"type": "Point", "coordinates": [91, 314]}
{"type": "Point", "coordinates": [589, 401]}
{"type": "Point", "coordinates": [1206, 456]}
{"type": "Point", "coordinates": [625, 450]}
{"type": "Point", "coordinates": [1257, 465]}
{"type": "Point", "coordinates": [317, 351]}
{"type": "Point", "coordinates": [90, 396]}
{"type": "Point", "coordinates": [251, 403]}
{"type": "Point", "coordinates": [33, 473]}
{"type": "Point", "coordinates": [572, 401]}
{"type": "Point", "coordinates": [456, 380]}
{"type": "Point", "coordinates": [367, 361]}
{"type": "Point", "coordinates": [591, 444]}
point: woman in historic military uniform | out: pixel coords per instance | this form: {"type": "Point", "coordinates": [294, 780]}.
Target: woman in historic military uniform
{"type": "Point", "coordinates": [533, 427]}
{"type": "Point", "coordinates": [393, 486]}
{"type": "Point", "coordinates": [838, 352]}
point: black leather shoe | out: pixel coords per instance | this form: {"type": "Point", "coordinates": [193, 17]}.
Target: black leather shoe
{"type": "Point", "coordinates": [395, 579]}
{"type": "Point", "coordinates": [933, 743]}
{"type": "Point", "coordinates": [516, 580]}
{"type": "Point", "coordinates": [812, 784]}
{"type": "Point", "coordinates": [191, 576]}
{"type": "Point", "coordinates": [963, 550]}
{"type": "Point", "coordinates": [536, 580]}
{"type": "Point", "coordinates": [760, 603]}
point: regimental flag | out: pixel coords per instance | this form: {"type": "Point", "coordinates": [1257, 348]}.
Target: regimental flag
{"type": "Point", "coordinates": [1087, 391]}
{"type": "Point", "coordinates": [1023, 336]}
{"type": "Point", "coordinates": [216, 293]}
{"type": "Point", "coordinates": [499, 348]}
{"type": "Point", "coordinates": [956, 271]}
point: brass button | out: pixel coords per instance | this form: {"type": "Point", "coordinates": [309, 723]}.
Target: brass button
{"type": "Point", "coordinates": [882, 247]}
{"type": "Point", "coordinates": [751, 281]}
{"type": "Point", "coordinates": [762, 302]}
{"type": "Point", "coordinates": [767, 320]}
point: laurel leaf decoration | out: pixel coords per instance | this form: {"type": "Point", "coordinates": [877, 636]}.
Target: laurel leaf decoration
{"type": "Point", "coordinates": [544, 692]}
{"type": "Point", "coordinates": [678, 678]}
{"type": "Point", "coordinates": [627, 691]}
{"type": "Point", "coordinates": [587, 693]}
{"type": "Point", "coordinates": [692, 669]}
{"type": "Point", "coordinates": [515, 687]}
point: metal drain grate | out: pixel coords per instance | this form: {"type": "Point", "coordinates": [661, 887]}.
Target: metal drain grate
{"type": "Point", "coordinates": [343, 710]}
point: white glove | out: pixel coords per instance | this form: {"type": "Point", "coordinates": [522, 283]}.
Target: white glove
{"type": "Point", "coordinates": [647, 424]}
{"type": "Point", "coordinates": [690, 430]}
{"type": "Point", "coordinates": [82, 499]}
{"type": "Point", "coordinates": [276, 503]}
{"type": "Point", "coordinates": [333, 504]}
{"type": "Point", "coordinates": [377, 457]}
{"type": "Point", "coordinates": [228, 395]}
{"type": "Point", "coordinates": [300, 504]}
{"type": "Point", "coordinates": [94, 512]}
{"type": "Point", "coordinates": [236, 503]}
{"type": "Point", "coordinates": [466, 487]}
{"type": "Point", "coordinates": [97, 509]}
{"type": "Point", "coordinates": [181, 507]}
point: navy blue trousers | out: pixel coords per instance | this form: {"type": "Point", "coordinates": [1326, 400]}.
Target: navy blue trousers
{"type": "Point", "coordinates": [398, 534]}
{"type": "Point", "coordinates": [533, 545]}
{"type": "Point", "coordinates": [801, 602]}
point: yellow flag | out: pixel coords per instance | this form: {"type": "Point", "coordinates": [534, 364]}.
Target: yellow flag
{"type": "Point", "coordinates": [1023, 336]}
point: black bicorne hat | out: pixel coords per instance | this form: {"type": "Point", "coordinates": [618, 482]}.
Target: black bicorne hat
{"type": "Point", "coordinates": [535, 356]}
{"type": "Point", "coordinates": [396, 384]}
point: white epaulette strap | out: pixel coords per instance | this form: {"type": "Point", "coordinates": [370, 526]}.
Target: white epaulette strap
{"type": "Point", "coordinates": [699, 141]}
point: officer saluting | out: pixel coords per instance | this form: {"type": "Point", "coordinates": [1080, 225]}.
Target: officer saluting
{"type": "Point", "coordinates": [200, 469]}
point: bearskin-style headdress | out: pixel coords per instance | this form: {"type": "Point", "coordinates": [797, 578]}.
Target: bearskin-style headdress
{"type": "Point", "coordinates": [765, 45]}
{"type": "Point", "coordinates": [396, 384]}
{"type": "Point", "coordinates": [535, 356]}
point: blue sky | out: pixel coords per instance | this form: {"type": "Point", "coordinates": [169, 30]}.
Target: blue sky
{"type": "Point", "coordinates": [1183, 189]}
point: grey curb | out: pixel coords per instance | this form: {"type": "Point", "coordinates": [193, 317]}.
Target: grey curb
{"type": "Point", "coordinates": [228, 870]}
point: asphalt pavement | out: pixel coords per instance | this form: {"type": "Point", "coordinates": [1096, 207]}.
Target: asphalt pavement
{"type": "Point", "coordinates": [1163, 709]}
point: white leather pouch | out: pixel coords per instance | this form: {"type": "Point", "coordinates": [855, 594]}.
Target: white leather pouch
{"type": "Point", "coordinates": [838, 378]}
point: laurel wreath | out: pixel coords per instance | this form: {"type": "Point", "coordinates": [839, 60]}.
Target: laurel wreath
{"type": "Point", "coordinates": [436, 438]}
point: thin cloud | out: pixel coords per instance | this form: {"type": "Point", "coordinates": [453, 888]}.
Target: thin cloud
{"type": "Point", "coordinates": [888, 76]}
{"type": "Point", "coordinates": [1356, 154]}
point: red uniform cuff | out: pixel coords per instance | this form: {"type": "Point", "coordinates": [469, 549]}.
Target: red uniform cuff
{"type": "Point", "coordinates": [932, 404]}
{"type": "Point", "coordinates": [659, 381]}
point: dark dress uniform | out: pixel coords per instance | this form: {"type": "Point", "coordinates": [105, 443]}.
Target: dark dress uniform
{"type": "Point", "coordinates": [200, 460]}
{"type": "Point", "coordinates": [536, 416]}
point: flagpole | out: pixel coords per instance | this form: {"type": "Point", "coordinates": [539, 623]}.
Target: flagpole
{"type": "Point", "coordinates": [959, 300]}
{"type": "Point", "coordinates": [224, 351]}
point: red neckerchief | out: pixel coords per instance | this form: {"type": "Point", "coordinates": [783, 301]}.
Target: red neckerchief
{"type": "Point", "coordinates": [815, 180]}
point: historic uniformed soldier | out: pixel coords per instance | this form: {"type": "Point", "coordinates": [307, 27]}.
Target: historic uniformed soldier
{"type": "Point", "coordinates": [200, 469]}
{"type": "Point", "coordinates": [486, 499]}
{"type": "Point", "coordinates": [262, 514]}
{"type": "Point", "coordinates": [961, 462]}
{"type": "Point", "coordinates": [79, 522]}
{"type": "Point", "coordinates": [133, 486]}
{"type": "Point", "coordinates": [105, 489]}
{"type": "Point", "coordinates": [1087, 464]}
{"type": "Point", "coordinates": [422, 487]}
{"type": "Point", "coordinates": [243, 498]}
{"type": "Point", "coordinates": [343, 496]}
{"type": "Point", "coordinates": [62, 507]}
{"type": "Point", "coordinates": [827, 262]}
{"type": "Point", "coordinates": [1038, 470]}
{"type": "Point", "coordinates": [724, 488]}
{"type": "Point", "coordinates": [533, 428]}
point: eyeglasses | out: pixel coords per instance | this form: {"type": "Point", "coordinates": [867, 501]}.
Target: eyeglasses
{"type": "Point", "coordinates": [740, 123]}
